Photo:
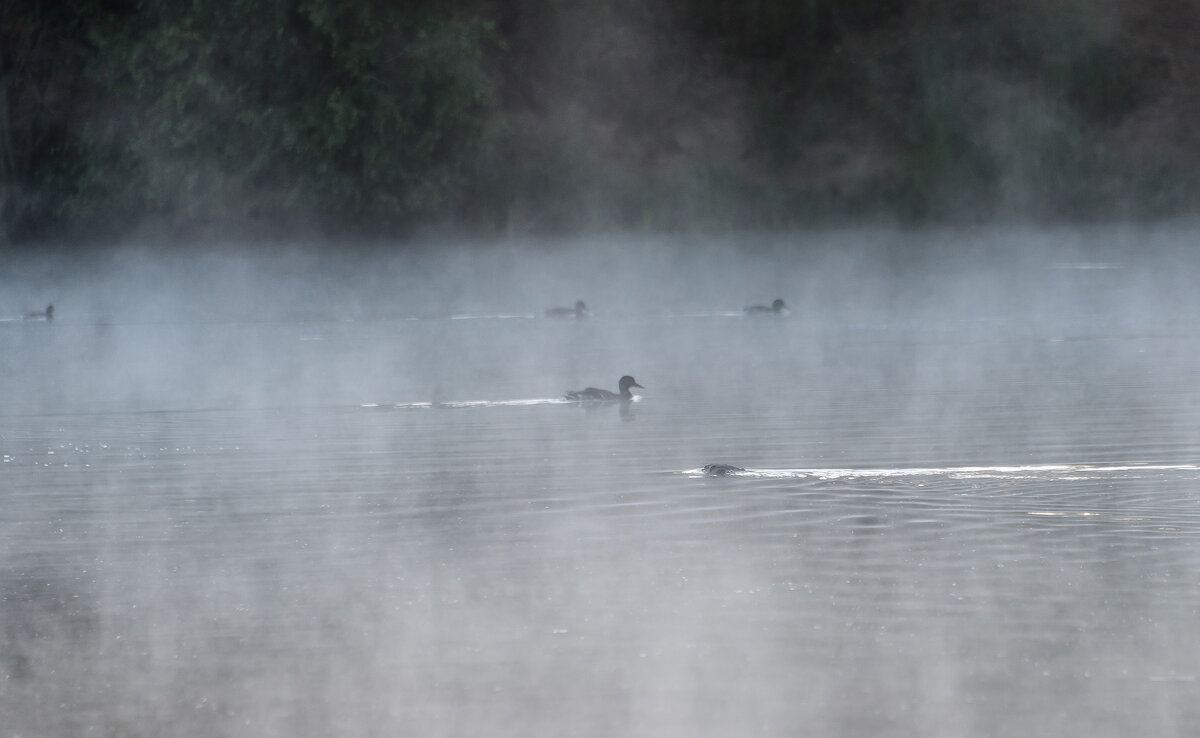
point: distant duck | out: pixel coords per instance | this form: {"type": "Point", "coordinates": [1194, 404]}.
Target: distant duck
{"type": "Point", "coordinates": [579, 311]}
{"type": "Point", "coordinates": [721, 470]}
{"type": "Point", "coordinates": [47, 314]}
{"type": "Point", "coordinates": [779, 307]}
{"type": "Point", "coordinates": [592, 394]}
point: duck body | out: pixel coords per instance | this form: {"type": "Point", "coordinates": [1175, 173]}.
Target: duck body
{"type": "Point", "coordinates": [779, 307]}
{"type": "Point", "coordinates": [720, 470]}
{"type": "Point", "coordinates": [579, 311]}
{"type": "Point", "coordinates": [594, 394]}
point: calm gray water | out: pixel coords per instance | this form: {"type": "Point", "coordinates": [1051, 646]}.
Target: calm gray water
{"type": "Point", "coordinates": [970, 508]}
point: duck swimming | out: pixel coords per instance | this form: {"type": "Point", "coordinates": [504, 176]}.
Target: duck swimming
{"type": "Point", "coordinates": [592, 394]}
{"type": "Point", "coordinates": [779, 307]}
{"type": "Point", "coordinates": [579, 311]}
{"type": "Point", "coordinates": [47, 314]}
{"type": "Point", "coordinates": [720, 470]}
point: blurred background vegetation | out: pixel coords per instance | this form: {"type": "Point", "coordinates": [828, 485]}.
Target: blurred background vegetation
{"type": "Point", "coordinates": [552, 116]}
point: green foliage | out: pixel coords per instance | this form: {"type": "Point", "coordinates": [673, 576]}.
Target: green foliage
{"type": "Point", "coordinates": [771, 29]}
{"type": "Point", "coordinates": [543, 115]}
{"type": "Point", "coordinates": [42, 54]}
{"type": "Point", "coordinates": [274, 108]}
{"type": "Point", "coordinates": [1103, 83]}
{"type": "Point", "coordinates": [1008, 108]}
{"type": "Point", "coordinates": [1062, 46]}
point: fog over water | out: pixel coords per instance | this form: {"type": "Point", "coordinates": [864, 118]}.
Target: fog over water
{"type": "Point", "coordinates": [311, 490]}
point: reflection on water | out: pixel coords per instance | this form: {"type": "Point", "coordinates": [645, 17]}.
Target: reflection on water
{"type": "Point", "coordinates": [941, 529]}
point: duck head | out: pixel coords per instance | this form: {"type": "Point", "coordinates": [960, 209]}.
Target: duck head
{"type": "Point", "coordinates": [627, 382]}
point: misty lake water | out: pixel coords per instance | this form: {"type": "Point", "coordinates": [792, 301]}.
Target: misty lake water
{"type": "Point", "coordinates": [969, 507]}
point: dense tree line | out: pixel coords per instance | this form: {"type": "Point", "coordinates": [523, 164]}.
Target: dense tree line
{"type": "Point", "coordinates": [242, 108]}
{"type": "Point", "coordinates": [381, 115]}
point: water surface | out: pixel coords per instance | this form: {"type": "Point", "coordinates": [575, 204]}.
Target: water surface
{"type": "Point", "coordinates": [955, 519]}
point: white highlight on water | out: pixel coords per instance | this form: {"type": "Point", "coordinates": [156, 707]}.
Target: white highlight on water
{"type": "Point", "coordinates": [1030, 471]}
{"type": "Point", "coordinates": [469, 403]}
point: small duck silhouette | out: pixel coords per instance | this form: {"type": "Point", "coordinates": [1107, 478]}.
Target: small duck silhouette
{"type": "Point", "coordinates": [592, 394]}
{"type": "Point", "coordinates": [779, 307]}
{"type": "Point", "coordinates": [579, 311]}
{"type": "Point", "coordinates": [720, 470]}
{"type": "Point", "coordinates": [47, 314]}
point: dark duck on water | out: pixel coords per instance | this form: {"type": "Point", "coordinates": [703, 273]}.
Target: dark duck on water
{"type": "Point", "coordinates": [720, 470]}
{"type": "Point", "coordinates": [47, 314]}
{"type": "Point", "coordinates": [593, 394]}
{"type": "Point", "coordinates": [779, 307]}
{"type": "Point", "coordinates": [579, 311]}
